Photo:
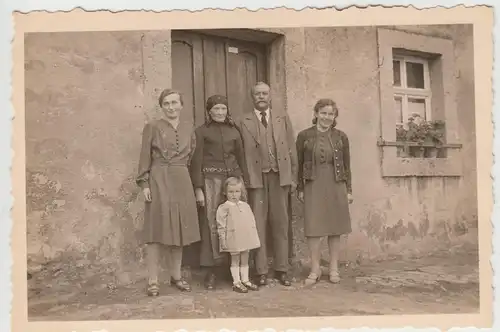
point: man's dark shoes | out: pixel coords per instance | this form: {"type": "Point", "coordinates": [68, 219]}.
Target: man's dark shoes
{"type": "Point", "coordinates": [261, 280]}
{"type": "Point", "coordinates": [283, 279]}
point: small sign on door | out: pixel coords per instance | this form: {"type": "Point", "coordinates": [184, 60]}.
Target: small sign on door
{"type": "Point", "coordinates": [233, 50]}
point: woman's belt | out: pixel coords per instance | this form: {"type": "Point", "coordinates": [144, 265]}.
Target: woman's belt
{"type": "Point", "coordinates": [219, 170]}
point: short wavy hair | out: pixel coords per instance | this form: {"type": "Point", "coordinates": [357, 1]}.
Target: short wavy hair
{"type": "Point", "coordinates": [324, 102]}
{"type": "Point", "coordinates": [168, 92]}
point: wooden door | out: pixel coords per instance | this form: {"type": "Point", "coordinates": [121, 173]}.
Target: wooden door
{"type": "Point", "coordinates": [205, 65]}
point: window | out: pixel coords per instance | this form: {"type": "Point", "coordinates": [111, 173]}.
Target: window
{"type": "Point", "coordinates": [417, 86]}
{"type": "Point", "coordinates": [411, 85]}
{"type": "Point", "coordinates": [415, 127]}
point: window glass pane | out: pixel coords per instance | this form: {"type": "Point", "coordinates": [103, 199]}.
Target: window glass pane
{"type": "Point", "coordinates": [415, 75]}
{"type": "Point", "coordinates": [416, 106]}
{"type": "Point", "coordinates": [396, 70]}
{"type": "Point", "coordinates": [398, 102]}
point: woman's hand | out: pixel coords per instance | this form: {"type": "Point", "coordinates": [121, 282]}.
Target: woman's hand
{"type": "Point", "coordinates": [200, 198]}
{"type": "Point", "coordinates": [300, 196]}
{"type": "Point", "coordinates": [147, 194]}
{"type": "Point", "coordinates": [349, 198]}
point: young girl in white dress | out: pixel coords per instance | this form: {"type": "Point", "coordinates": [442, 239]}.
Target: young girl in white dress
{"type": "Point", "coordinates": [237, 233]}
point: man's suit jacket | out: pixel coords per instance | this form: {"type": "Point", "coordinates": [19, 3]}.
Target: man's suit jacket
{"type": "Point", "coordinates": [284, 139]}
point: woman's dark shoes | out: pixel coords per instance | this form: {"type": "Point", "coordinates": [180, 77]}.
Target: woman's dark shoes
{"type": "Point", "coordinates": [249, 285]}
{"type": "Point", "coordinates": [210, 280]}
{"type": "Point", "coordinates": [283, 279]}
{"type": "Point", "coordinates": [262, 280]}
{"type": "Point", "coordinates": [181, 284]}
{"type": "Point", "coordinates": [153, 289]}
{"type": "Point", "coordinates": [239, 288]}
{"type": "Point", "coordinates": [334, 277]}
{"type": "Point", "coordinates": [312, 279]}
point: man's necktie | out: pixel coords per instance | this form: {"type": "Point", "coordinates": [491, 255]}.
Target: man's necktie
{"type": "Point", "coordinates": [263, 118]}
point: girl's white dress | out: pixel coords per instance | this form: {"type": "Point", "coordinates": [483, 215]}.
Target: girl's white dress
{"type": "Point", "coordinates": [236, 224]}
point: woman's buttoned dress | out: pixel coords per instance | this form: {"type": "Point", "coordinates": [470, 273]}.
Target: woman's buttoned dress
{"type": "Point", "coordinates": [171, 217]}
{"type": "Point", "coordinates": [326, 206]}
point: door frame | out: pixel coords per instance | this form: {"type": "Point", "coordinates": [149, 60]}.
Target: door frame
{"type": "Point", "coordinates": [274, 46]}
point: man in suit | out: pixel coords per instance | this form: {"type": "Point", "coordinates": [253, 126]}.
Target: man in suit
{"type": "Point", "coordinates": [271, 160]}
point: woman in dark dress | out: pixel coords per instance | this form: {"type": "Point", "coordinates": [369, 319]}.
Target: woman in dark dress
{"type": "Point", "coordinates": [218, 155]}
{"type": "Point", "coordinates": [324, 185]}
{"type": "Point", "coordinates": [170, 217]}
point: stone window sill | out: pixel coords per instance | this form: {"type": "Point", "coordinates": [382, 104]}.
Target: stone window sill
{"type": "Point", "coordinates": [394, 166]}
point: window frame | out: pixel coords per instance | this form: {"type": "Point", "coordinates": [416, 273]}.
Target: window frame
{"type": "Point", "coordinates": [405, 92]}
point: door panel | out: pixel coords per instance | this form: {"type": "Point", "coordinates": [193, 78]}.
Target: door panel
{"type": "Point", "coordinates": [187, 74]}
{"type": "Point", "coordinates": [243, 67]}
{"type": "Point", "coordinates": [219, 66]}
{"type": "Point", "coordinates": [182, 56]}
{"type": "Point", "coordinates": [246, 66]}
{"type": "Point", "coordinates": [214, 64]}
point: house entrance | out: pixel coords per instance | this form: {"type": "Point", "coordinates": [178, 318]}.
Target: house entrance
{"type": "Point", "coordinates": [207, 63]}
{"type": "Point", "coordinates": [204, 65]}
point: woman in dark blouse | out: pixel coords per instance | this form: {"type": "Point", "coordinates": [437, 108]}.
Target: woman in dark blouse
{"type": "Point", "coordinates": [324, 185]}
{"type": "Point", "coordinates": [218, 155]}
{"type": "Point", "coordinates": [170, 216]}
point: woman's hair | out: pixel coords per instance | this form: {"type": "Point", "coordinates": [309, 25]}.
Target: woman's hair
{"type": "Point", "coordinates": [323, 103]}
{"type": "Point", "coordinates": [168, 92]}
{"type": "Point", "coordinates": [215, 100]}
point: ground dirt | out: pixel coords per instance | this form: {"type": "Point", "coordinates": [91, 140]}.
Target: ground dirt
{"type": "Point", "coordinates": [443, 282]}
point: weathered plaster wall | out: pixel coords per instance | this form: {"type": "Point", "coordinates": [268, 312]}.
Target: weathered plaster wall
{"type": "Point", "coordinates": [86, 103]}
{"type": "Point", "coordinates": [88, 95]}
{"type": "Point", "coordinates": [390, 215]}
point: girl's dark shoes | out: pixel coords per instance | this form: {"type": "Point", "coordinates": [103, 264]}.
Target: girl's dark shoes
{"type": "Point", "coordinates": [250, 286]}
{"type": "Point", "coordinates": [181, 284]}
{"type": "Point", "coordinates": [239, 288]}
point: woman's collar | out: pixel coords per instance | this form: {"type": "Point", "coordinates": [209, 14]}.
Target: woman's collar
{"type": "Point", "coordinates": [212, 122]}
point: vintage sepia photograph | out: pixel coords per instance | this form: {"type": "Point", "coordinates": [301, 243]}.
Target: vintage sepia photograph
{"type": "Point", "coordinates": [285, 171]}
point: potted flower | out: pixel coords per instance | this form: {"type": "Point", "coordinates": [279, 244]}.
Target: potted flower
{"type": "Point", "coordinates": [417, 133]}
{"type": "Point", "coordinates": [401, 136]}
{"type": "Point", "coordinates": [436, 135]}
